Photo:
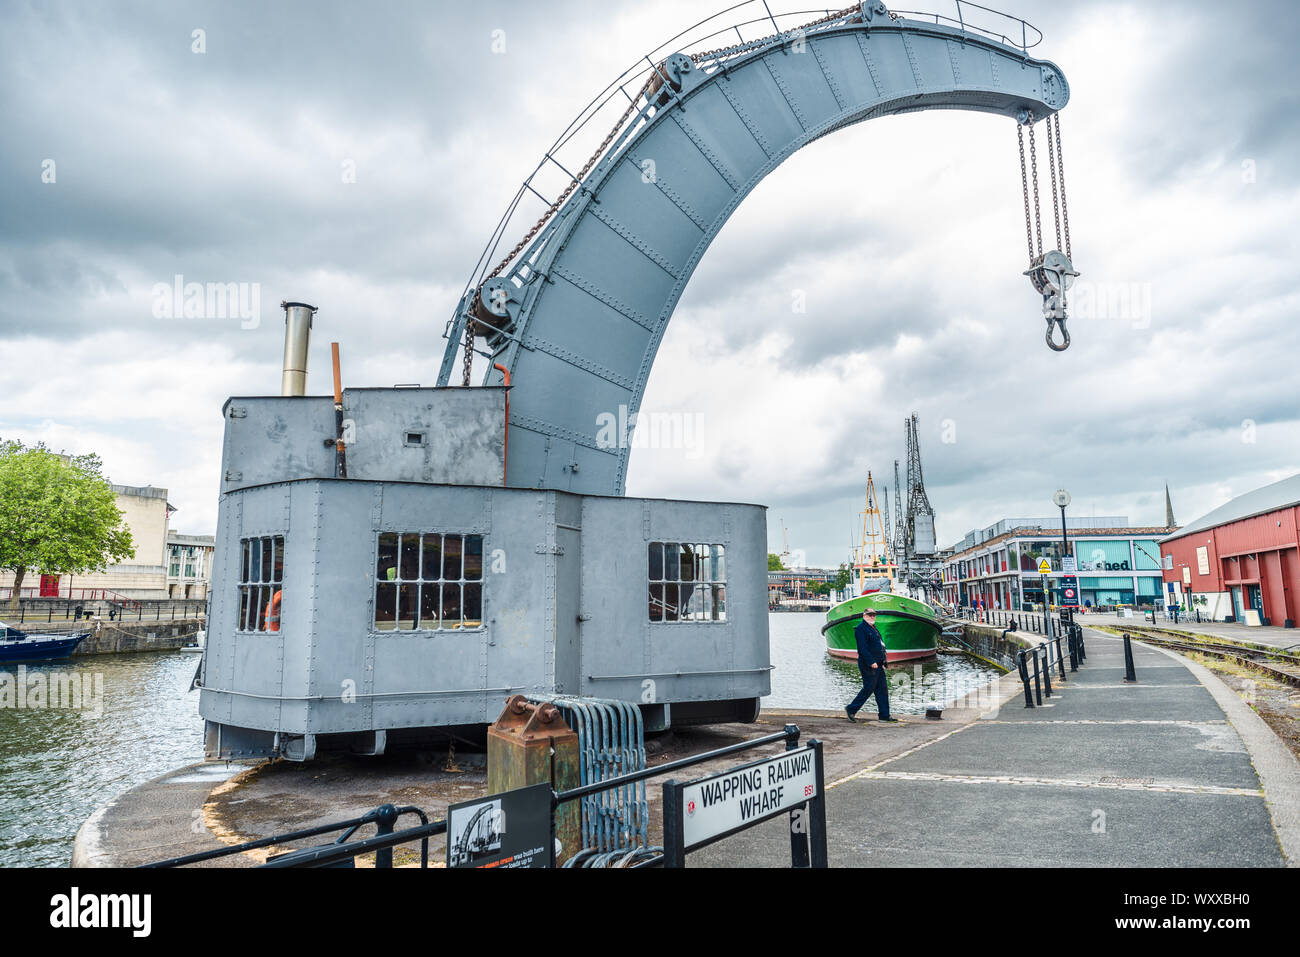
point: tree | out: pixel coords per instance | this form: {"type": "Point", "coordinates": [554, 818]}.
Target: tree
{"type": "Point", "coordinates": [841, 580]}
{"type": "Point", "coordinates": [774, 563]}
{"type": "Point", "coordinates": [58, 515]}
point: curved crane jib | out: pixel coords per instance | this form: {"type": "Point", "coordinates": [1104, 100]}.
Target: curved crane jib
{"type": "Point", "coordinates": [578, 316]}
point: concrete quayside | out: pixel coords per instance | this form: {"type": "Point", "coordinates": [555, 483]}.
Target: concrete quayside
{"type": "Point", "coordinates": [1173, 770]}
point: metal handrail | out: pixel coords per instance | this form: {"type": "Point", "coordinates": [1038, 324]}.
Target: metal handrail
{"type": "Point", "coordinates": [383, 817]}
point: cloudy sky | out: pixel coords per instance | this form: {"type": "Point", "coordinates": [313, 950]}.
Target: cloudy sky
{"type": "Point", "coordinates": [129, 157]}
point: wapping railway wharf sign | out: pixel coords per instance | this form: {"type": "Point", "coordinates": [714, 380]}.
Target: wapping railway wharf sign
{"type": "Point", "coordinates": [715, 806]}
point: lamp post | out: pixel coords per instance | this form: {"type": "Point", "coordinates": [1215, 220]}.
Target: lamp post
{"type": "Point", "coordinates": [1061, 500]}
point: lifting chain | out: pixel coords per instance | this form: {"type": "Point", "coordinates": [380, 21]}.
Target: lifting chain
{"type": "Point", "coordinates": [1051, 165]}
{"type": "Point", "coordinates": [1033, 162]}
{"type": "Point", "coordinates": [469, 349]}
{"type": "Point", "coordinates": [1065, 210]}
{"type": "Point", "coordinates": [1052, 273]}
{"type": "Point", "coordinates": [1024, 185]}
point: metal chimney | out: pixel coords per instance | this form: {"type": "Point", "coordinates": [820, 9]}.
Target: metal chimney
{"type": "Point", "coordinates": [297, 336]}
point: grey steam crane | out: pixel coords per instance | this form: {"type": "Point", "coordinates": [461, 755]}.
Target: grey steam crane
{"type": "Point", "coordinates": [392, 561]}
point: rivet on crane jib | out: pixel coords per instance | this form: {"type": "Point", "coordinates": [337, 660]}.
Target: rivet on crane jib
{"type": "Point", "coordinates": [1052, 273]}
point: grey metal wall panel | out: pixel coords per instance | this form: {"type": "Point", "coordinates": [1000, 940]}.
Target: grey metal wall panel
{"type": "Point", "coordinates": [549, 559]}
{"type": "Point", "coordinates": [462, 428]}
{"type": "Point", "coordinates": [277, 438]}
{"type": "Point", "coordinates": [273, 438]}
{"type": "Point", "coordinates": [687, 661]}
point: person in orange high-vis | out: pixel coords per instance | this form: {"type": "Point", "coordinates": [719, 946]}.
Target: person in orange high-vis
{"type": "Point", "coordinates": [273, 611]}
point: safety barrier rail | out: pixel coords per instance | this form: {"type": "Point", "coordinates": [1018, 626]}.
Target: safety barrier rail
{"type": "Point", "coordinates": [131, 609]}
{"type": "Point", "coordinates": [342, 852]}
{"type": "Point", "coordinates": [1067, 641]}
{"type": "Point", "coordinates": [806, 808]}
{"type": "Point", "coordinates": [611, 744]}
{"type": "Point", "coordinates": [808, 817]}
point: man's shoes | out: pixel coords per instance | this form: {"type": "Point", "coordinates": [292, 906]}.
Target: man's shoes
{"type": "Point", "coordinates": [889, 720]}
{"type": "Point", "coordinates": [849, 714]}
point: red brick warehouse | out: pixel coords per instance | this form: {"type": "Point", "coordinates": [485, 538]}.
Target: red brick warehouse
{"type": "Point", "coordinates": [1240, 557]}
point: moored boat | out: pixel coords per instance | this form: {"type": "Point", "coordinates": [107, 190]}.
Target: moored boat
{"type": "Point", "coordinates": [909, 628]}
{"type": "Point", "coordinates": [17, 645]}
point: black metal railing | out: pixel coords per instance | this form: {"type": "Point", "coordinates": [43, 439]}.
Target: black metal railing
{"type": "Point", "coordinates": [1034, 665]}
{"type": "Point", "coordinates": [47, 610]}
{"type": "Point", "coordinates": [807, 844]}
{"type": "Point", "coordinates": [341, 852]}
{"type": "Point", "coordinates": [806, 849]}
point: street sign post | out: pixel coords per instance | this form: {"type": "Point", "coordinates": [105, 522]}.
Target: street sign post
{"type": "Point", "coordinates": [698, 813]}
{"type": "Point", "coordinates": [1069, 590]}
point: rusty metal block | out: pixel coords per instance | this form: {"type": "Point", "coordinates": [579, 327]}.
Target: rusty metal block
{"type": "Point", "coordinates": [531, 744]}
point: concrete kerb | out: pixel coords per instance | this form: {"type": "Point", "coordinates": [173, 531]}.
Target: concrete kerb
{"type": "Point", "coordinates": [1277, 767]}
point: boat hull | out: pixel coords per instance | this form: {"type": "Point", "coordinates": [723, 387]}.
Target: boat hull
{"type": "Point", "coordinates": [909, 628]}
{"type": "Point", "coordinates": [41, 648]}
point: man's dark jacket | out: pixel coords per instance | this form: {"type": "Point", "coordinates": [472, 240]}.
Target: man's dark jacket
{"type": "Point", "coordinates": [870, 648]}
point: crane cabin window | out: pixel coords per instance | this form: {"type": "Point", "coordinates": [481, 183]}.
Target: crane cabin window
{"type": "Point", "coordinates": [261, 582]}
{"type": "Point", "coordinates": [428, 581]}
{"type": "Point", "coordinates": [688, 582]}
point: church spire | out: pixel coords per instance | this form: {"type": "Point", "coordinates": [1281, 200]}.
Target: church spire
{"type": "Point", "coordinates": [1169, 509]}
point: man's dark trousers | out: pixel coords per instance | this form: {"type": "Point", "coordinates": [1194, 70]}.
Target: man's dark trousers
{"type": "Point", "coordinates": [871, 649]}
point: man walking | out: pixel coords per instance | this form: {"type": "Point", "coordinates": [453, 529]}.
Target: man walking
{"type": "Point", "coordinates": [871, 662]}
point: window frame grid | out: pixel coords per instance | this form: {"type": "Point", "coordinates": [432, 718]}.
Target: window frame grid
{"type": "Point", "coordinates": [420, 583]}
{"type": "Point", "coordinates": [255, 593]}
{"type": "Point", "coordinates": [709, 592]}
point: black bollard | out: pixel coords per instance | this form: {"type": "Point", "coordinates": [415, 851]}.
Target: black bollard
{"type": "Point", "coordinates": [1129, 673]}
{"type": "Point", "coordinates": [1038, 684]}
{"type": "Point", "coordinates": [1060, 658]}
{"type": "Point", "coordinates": [1047, 668]}
{"type": "Point", "coordinates": [1024, 676]}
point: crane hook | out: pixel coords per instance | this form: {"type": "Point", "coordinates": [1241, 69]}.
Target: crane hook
{"type": "Point", "coordinates": [1065, 334]}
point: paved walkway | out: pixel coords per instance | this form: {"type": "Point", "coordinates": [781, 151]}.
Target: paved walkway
{"type": "Point", "coordinates": [1106, 774]}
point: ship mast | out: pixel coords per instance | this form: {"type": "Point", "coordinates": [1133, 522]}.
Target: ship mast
{"type": "Point", "coordinates": [873, 553]}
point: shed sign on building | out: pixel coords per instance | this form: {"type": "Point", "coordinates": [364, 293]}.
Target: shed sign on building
{"type": "Point", "coordinates": [718, 805]}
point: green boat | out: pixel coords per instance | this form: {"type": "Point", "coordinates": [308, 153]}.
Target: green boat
{"type": "Point", "coordinates": [910, 628]}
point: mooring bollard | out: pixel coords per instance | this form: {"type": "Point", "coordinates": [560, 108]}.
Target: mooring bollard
{"type": "Point", "coordinates": [1129, 673]}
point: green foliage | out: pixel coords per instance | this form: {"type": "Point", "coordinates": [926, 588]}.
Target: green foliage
{"type": "Point", "coordinates": [774, 563]}
{"type": "Point", "coordinates": [57, 515]}
{"type": "Point", "coordinates": [841, 579]}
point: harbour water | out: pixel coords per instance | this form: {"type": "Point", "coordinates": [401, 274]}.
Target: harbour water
{"type": "Point", "coordinates": [805, 676]}
{"type": "Point", "coordinates": [137, 720]}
